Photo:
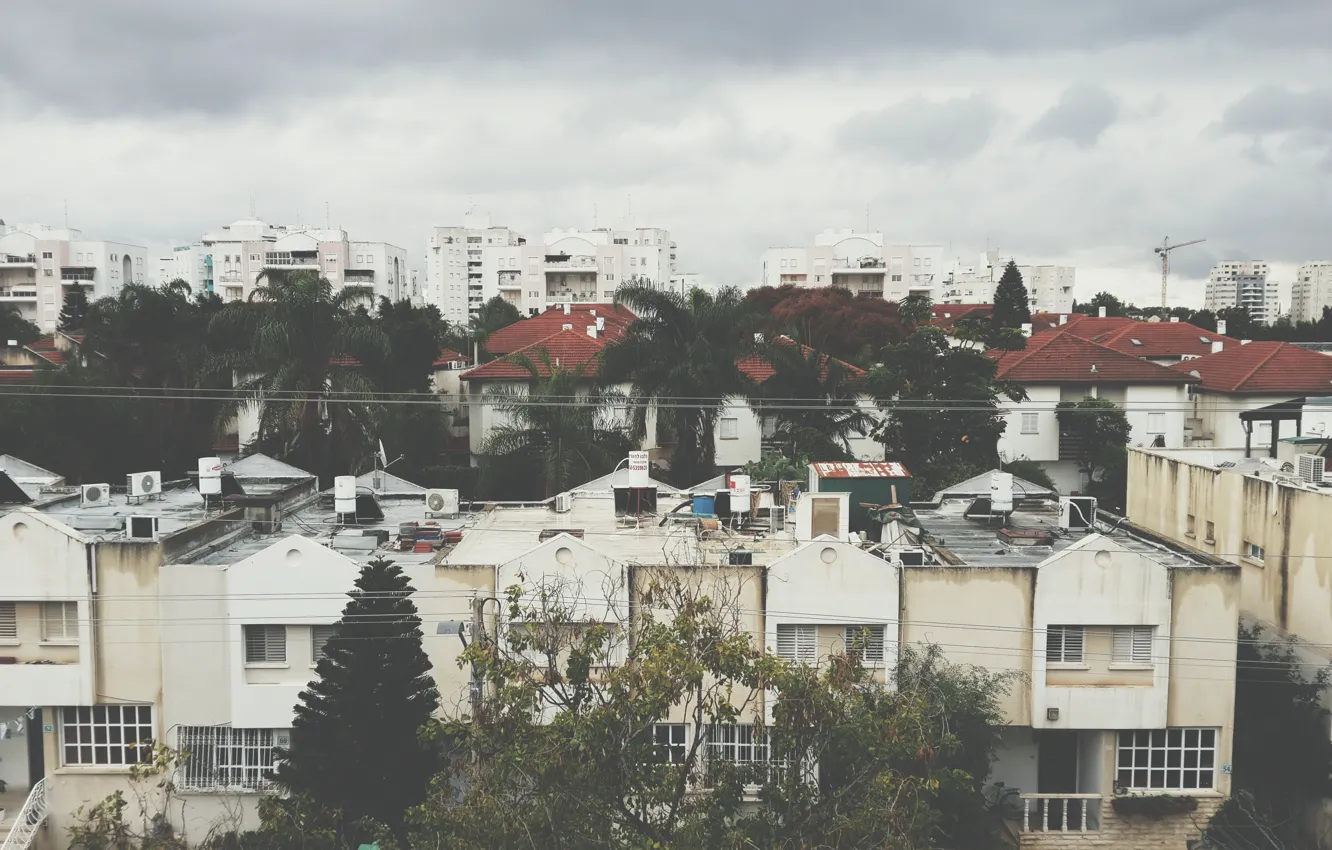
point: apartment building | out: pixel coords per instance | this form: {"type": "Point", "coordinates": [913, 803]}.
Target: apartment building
{"type": "Point", "coordinates": [39, 264]}
{"type": "Point", "coordinates": [468, 265]}
{"type": "Point", "coordinates": [1049, 287]}
{"type": "Point", "coordinates": [1243, 284]}
{"type": "Point", "coordinates": [859, 261]}
{"type": "Point", "coordinates": [1311, 292]}
{"type": "Point", "coordinates": [231, 260]}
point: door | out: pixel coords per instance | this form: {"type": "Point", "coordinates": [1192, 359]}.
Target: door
{"type": "Point", "coordinates": [1057, 773]}
{"type": "Point", "coordinates": [36, 748]}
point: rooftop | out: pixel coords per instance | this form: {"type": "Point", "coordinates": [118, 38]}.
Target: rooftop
{"type": "Point", "coordinates": [1233, 462]}
{"type": "Point", "coordinates": [1160, 339]}
{"type": "Point", "coordinates": [1061, 356]}
{"type": "Point", "coordinates": [524, 332]}
{"type": "Point", "coordinates": [564, 349]}
{"type": "Point", "coordinates": [1262, 367]}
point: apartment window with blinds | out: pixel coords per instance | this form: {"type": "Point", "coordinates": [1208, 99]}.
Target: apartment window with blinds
{"type": "Point", "coordinates": [1132, 645]}
{"type": "Point", "coordinates": [866, 642]}
{"type": "Point", "coordinates": [8, 622]}
{"type": "Point", "coordinates": [60, 622]}
{"type": "Point", "coordinates": [107, 734]}
{"type": "Point", "coordinates": [1166, 759]}
{"type": "Point", "coordinates": [319, 636]}
{"type": "Point", "coordinates": [1063, 645]}
{"type": "Point", "coordinates": [265, 644]}
{"type": "Point", "coordinates": [797, 643]}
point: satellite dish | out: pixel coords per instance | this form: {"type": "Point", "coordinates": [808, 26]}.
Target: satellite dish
{"type": "Point", "coordinates": [383, 457]}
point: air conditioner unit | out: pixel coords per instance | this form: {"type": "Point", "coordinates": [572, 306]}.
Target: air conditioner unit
{"type": "Point", "coordinates": [95, 494]}
{"type": "Point", "coordinates": [1310, 468]}
{"type": "Point", "coordinates": [141, 528]}
{"type": "Point", "coordinates": [563, 503]}
{"type": "Point", "coordinates": [442, 502]}
{"type": "Point", "coordinates": [140, 484]}
{"type": "Point", "coordinates": [1077, 513]}
{"type": "Point", "coordinates": [911, 557]}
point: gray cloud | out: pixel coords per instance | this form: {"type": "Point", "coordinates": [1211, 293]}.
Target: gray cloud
{"type": "Point", "coordinates": [1083, 112]}
{"type": "Point", "coordinates": [1279, 109]}
{"type": "Point", "coordinates": [918, 130]}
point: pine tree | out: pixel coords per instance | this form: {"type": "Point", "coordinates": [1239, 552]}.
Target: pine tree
{"type": "Point", "coordinates": [354, 742]}
{"type": "Point", "coordinates": [74, 312]}
{"type": "Point", "coordinates": [1011, 308]}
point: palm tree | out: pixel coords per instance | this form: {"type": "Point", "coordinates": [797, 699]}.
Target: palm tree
{"type": "Point", "coordinates": [814, 401]}
{"type": "Point", "coordinates": [681, 355]}
{"type": "Point", "coordinates": [567, 443]}
{"type": "Point", "coordinates": [293, 346]}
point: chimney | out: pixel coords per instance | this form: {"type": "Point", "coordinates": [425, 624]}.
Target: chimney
{"type": "Point", "coordinates": [1221, 326]}
{"type": "Point", "coordinates": [1174, 319]}
{"type": "Point", "coordinates": [568, 308]}
{"type": "Point", "coordinates": [1063, 318]}
{"type": "Point", "coordinates": [1101, 312]}
{"type": "Point", "coordinates": [592, 331]}
{"type": "Point", "coordinates": [1026, 329]}
{"type": "Point", "coordinates": [1217, 345]}
{"type": "Point", "coordinates": [566, 327]}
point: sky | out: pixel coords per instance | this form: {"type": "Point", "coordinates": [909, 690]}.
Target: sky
{"type": "Point", "coordinates": [1080, 133]}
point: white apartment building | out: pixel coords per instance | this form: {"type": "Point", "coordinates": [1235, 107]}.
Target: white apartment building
{"type": "Point", "coordinates": [469, 265]}
{"type": "Point", "coordinates": [1311, 292]}
{"type": "Point", "coordinates": [39, 263]}
{"type": "Point", "coordinates": [587, 266]}
{"type": "Point", "coordinates": [1243, 284]}
{"type": "Point", "coordinates": [859, 261]}
{"type": "Point", "coordinates": [230, 260]}
{"type": "Point", "coordinates": [1049, 287]}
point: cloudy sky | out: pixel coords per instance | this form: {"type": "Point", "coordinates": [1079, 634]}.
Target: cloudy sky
{"type": "Point", "coordinates": [1078, 132]}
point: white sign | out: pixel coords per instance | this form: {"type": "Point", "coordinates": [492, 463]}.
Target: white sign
{"type": "Point", "coordinates": [638, 469]}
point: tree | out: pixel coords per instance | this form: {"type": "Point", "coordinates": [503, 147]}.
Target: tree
{"type": "Point", "coordinates": [414, 336]}
{"type": "Point", "coordinates": [14, 326]}
{"type": "Point", "coordinates": [813, 400]}
{"type": "Point", "coordinates": [354, 740]}
{"type": "Point", "coordinates": [681, 355]}
{"type": "Point", "coordinates": [1113, 306]}
{"type": "Point", "coordinates": [566, 748]}
{"type": "Point", "coordinates": [293, 347]}
{"type": "Point", "coordinates": [74, 312]}
{"type": "Point", "coordinates": [1097, 432]}
{"type": "Point", "coordinates": [1012, 309]}
{"type": "Point", "coordinates": [543, 431]}
{"type": "Point", "coordinates": [941, 417]}
{"type": "Point", "coordinates": [829, 318]}
{"type": "Point", "coordinates": [1239, 323]}
{"type": "Point", "coordinates": [1204, 319]}
{"type": "Point", "coordinates": [493, 315]}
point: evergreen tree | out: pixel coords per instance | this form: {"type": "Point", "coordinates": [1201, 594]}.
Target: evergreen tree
{"type": "Point", "coordinates": [74, 312]}
{"type": "Point", "coordinates": [354, 744]}
{"type": "Point", "coordinates": [1011, 308]}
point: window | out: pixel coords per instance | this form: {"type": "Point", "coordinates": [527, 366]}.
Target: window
{"type": "Point", "coordinates": [265, 644]}
{"type": "Point", "coordinates": [319, 636]}
{"type": "Point", "coordinates": [730, 427]}
{"type": "Point", "coordinates": [783, 263]}
{"type": "Point", "coordinates": [1156, 423]}
{"type": "Point", "coordinates": [8, 622]}
{"type": "Point", "coordinates": [254, 258]}
{"type": "Point", "coordinates": [1063, 645]}
{"type": "Point", "coordinates": [226, 757]}
{"type": "Point", "coordinates": [46, 273]}
{"type": "Point", "coordinates": [360, 258]}
{"type": "Point", "coordinates": [736, 742]}
{"type": "Point", "coordinates": [1253, 551]}
{"type": "Point", "coordinates": [668, 740]}
{"type": "Point", "coordinates": [865, 641]}
{"type": "Point", "coordinates": [1029, 423]}
{"type": "Point", "coordinates": [797, 643]}
{"type": "Point", "coordinates": [897, 278]}
{"type": "Point", "coordinates": [107, 734]}
{"type": "Point", "coordinates": [60, 622]}
{"type": "Point", "coordinates": [1211, 532]}
{"type": "Point", "coordinates": [1166, 759]}
{"type": "Point", "coordinates": [1132, 645]}
{"type": "Point", "coordinates": [46, 255]}
{"type": "Point", "coordinates": [1190, 526]}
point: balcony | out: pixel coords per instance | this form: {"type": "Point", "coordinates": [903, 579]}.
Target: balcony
{"type": "Point", "coordinates": [46, 683]}
{"type": "Point", "coordinates": [359, 278]}
{"type": "Point", "coordinates": [1059, 813]}
{"type": "Point", "coordinates": [290, 260]}
{"type": "Point", "coordinates": [571, 263]}
{"type": "Point", "coordinates": [871, 265]}
{"type": "Point", "coordinates": [76, 273]}
{"type": "Point", "coordinates": [13, 293]}
{"type": "Point", "coordinates": [230, 277]}
{"type": "Point", "coordinates": [18, 261]}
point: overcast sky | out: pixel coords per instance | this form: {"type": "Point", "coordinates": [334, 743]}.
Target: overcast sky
{"type": "Point", "coordinates": [1073, 132]}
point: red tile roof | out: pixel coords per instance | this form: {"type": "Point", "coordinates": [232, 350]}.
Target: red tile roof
{"type": "Point", "coordinates": [946, 316]}
{"type": "Point", "coordinates": [46, 349]}
{"type": "Point", "coordinates": [1263, 367]}
{"type": "Point", "coordinates": [448, 355]}
{"type": "Point", "coordinates": [1160, 339]}
{"type": "Point", "coordinates": [757, 368]}
{"type": "Point", "coordinates": [17, 376]}
{"type": "Point", "coordinates": [567, 349]}
{"type": "Point", "coordinates": [229, 443]}
{"type": "Point", "coordinates": [527, 331]}
{"type": "Point", "coordinates": [1060, 357]}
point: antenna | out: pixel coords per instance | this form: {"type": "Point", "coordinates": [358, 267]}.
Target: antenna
{"type": "Point", "coordinates": [326, 217]}
{"type": "Point", "coordinates": [67, 214]}
{"type": "Point", "coordinates": [252, 205]}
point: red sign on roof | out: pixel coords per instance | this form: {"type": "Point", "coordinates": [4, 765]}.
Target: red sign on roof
{"type": "Point", "coordinates": [879, 469]}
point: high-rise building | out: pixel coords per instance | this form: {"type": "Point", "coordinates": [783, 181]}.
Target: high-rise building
{"type": "Point", "coordinates": [469, 264]}
{"type": "Point", "coordinates": [862, 262]}
{"type": "Point", "coordinates": [1243, 284]}
{"type": "Point", "coordinates": [1049, 287]}
{"type": "Point", "coordinates": [1311, 292]}
{"type": "Point", "coordinates": [40, 263]}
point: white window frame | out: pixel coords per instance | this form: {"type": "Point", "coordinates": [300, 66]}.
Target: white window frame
{"type": "Point", "coordinates": [868, 641]}
{"type": "Point", "coordinates": [737, 743]}
{"type": "Point", "coordinates": [798, 642]}
{"type": "Point", "coordinates": [265, 645]}
{"type": "Point", "coordinates": [1156, 423]}
{"type": "Point", "coordinates": [9, 623]}
{"type": "Point", "coordinates": [106, 735]}
{"type": "Point", "coordinates": [670, 741]}
{"type": "Point", "coordinates": [1131, 646]}
{"type": "Point", "coordinates": [319, 637]}
{"type": "Point", "coordinates": [226, 757]}
{"type": "Point", "coordinates": [1143, 759]}
{"type": "Point", "coordinates": [1254, 552]}
{"type": "Point", "coordinates": [732, 424]}
{"type": "Point", "coordinates": [1064, 646]}
{"type": "Point", "coordinates": [60, 622]}
{"type": "Point", "coordinates": [1031, 423]}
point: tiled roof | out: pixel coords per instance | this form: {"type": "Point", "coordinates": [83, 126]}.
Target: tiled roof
{"type": "Point", "coordinates": [757, 368]}
{"type": "Point", "coordinates": [946, 316]}
{"type": "Point", "coordinates": [527, 331]}
{"type": "Point", "coordinates": [46, 349]}
{"type": "Point", "coordinates": [1263, 367]}
{"type": "Point", "coordinates": [1058, 357]}
{"type": "Point", "coordinates": [1159, 339]}
{"type": "Point", "coordinates": [229, 443]}
{"type": "Point", "coordinates": [567, 349]}
{"type": "Point", "coordinates": [448, 355]}
{"type": "Point", "coordinates": [17, 376]}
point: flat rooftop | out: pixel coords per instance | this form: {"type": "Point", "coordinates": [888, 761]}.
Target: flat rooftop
{"type": "Point", "coordinates": [1233, 461]}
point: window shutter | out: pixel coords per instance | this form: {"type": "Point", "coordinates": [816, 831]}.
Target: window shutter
{"type": "Point", "coordinates": [1063, 644]}
{"type": "Point", "coordinates": [265, 644]}
{"type": "Point", "coordinates": [797, 643]}
{"type": "Point", "coordinates": [866, 640]}
{"type": "Point", "coordinates": [1142, 645]}
{"type": "Point", "coordinates": [320, 636]}
{"type": "Point", "coordinates": [1133, 644]}
{"type": "Point", "coordinates": [8, 621]}
{"type": "Point", "coordinates": [1073, 644]}
{"type": "Point", "coordinates": [60, 621]}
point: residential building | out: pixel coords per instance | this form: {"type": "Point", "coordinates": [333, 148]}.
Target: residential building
{"type": "Point", "coordinates": [862, 262]}
{"type": "Point", "coordinates": [610, 320]}
{"type": "Point", "coordinates": [1059, 366]}
{"type": "Point", "coordinates": [1049, 287]}
{"type": "Point", "coordinates": [39, 264]}
{"type": "Point", "coordinates": [1243, 284]}
{"type": "Point", "coordinates": [1311, 292]}
{"type": "Point", "coordinates": [231, 260]}
{"type": "Point", "coordinates": [586, 267]}
{"type": "Point", "coordinates": [470, 264]}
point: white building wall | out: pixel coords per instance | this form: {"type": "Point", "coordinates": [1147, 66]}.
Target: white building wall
{"type": "Point", "coordinates": [39, 263]}
{"type": "Point", "coordinates": [1311, 292]}
{"type": "Point", "coordinates": [1049, 287]}
{"type": "Point", "coordinates": [862, 262]}
{"type": "Point", "coordinates": [1244, 284]}
{"type": "Point", "coordinates": [468, 265]}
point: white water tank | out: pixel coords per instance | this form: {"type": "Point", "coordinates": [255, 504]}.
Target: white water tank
{"type": "Point", "coordinates": [210, 476]}
{"type": "Point", "coordinates": [638, 470]}
{"type": "Point", "coordinates": [739, 487]}
{"type": "Point", "coordinates": [1001, 492]}
{"type": "Point", "coordinates": [344, 494]}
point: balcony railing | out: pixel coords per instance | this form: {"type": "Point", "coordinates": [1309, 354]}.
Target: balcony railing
{"type": "Point", "coordinates": [1061, 812]}
{"type": "Point", "coordinates": [572, 263]}
{"type": "Point", "coordinates": [18, 259]}
{"type": "Point", "coordinates": [76, 274]}
{"type": "Point", "coordinates": [10, 292]}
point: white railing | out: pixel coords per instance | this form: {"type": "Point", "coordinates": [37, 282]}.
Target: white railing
{"type": "Point", "coordinates": [28, 820]}
{"type": "Point", "coordinates": [1071, 812]}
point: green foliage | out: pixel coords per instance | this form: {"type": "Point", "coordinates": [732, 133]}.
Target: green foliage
{"type": "Point", "coordinates": [813, 400]}
{"type": "Point", "coordinates": [1098, 432]}
{"type": "Point", "coordinates": [414, 336]}
{"type": "Point", "coordinates": [1012, 306]}
{"type": "Point", "coordinates": [74, 312]}
{"type": "Point", "coordinates": [774, 466]}
{"type": "Point", "coordinates": [1154, 806]}
{"type": "Point", "coordinates": [14, 326]}
{"type": "Point", "coordinates": [1240, 323]}
{"type": "Point", "coordinates": [681, 354]}
{"type": "Point", "coordinates": [1114, 307]}
{"type": "Point", "coordinates": [832, 319]}
{"type": "Point", "coordinates": [1030, 470]}
{"type": "Point", "coordinates": [493, 315]}
{"type": "Point", "coordinates": [354, 743]}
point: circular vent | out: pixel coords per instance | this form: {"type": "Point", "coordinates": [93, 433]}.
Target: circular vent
{"type": "Point", "coordinates": [435, 502]}
{"type": "Point", "coordinates": [93, 494]}
{"type": "Point", "coordinates": [147, 482]}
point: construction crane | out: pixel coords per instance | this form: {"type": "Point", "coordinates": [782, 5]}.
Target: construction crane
{"type": "Point", "coordinates": [1164, 251]}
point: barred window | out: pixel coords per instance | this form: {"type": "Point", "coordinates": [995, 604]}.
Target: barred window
{"type": "Point", "coordinates": [865, 641]}
{"type": "Point", "coordinates": [1166, 759]}
{"type": "Point", "coordinates": [107, 734]}
{"type": "Point", "coordinates": [226, 757]}
{"type": "Point", "coordinates": [1063, 645]}
{"type": "Point", "coordinates": [265, 644]}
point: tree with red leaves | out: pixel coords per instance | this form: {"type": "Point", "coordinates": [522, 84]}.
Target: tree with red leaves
{"type": "Point", "coordinates": [832, 319]}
